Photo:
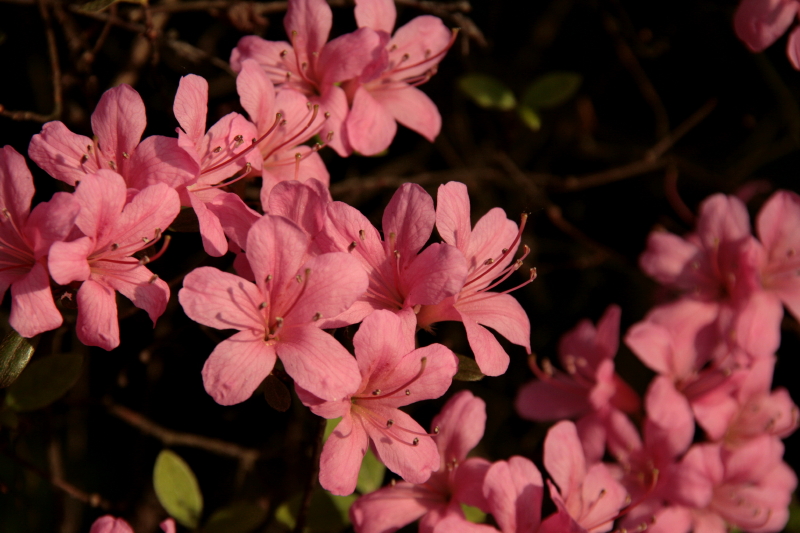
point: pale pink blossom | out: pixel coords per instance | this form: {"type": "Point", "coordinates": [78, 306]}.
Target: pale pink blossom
{"type": "Point", "coordinates": [759, 23]}
{"type": "Point", "coordinates": [118, 123]}
{"type": "Point", "coordinates": [437, 501]}
{"type": "Point", "coordinates": [283, 121]}
{"type": "Point", "coordinates": [385, 92]}
{"type": "Point", "coordinates": [114, 229]}
{"type": "Point", "coordinates": [514, 490]}
{"type": "Point", "coordinates": [489, 251]}
{"type": "Point", "coordinates": [400, 276]}
{"type": "Point", "coordinates": [393, 374]}
{"type": "Point", "coordinates": [312, 66]}
{"type": "Point", "coordinates": [25, 240]}
{"type": "Point", "coordinates": [277, 316]}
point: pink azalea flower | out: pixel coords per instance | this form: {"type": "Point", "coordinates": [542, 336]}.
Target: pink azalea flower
{"type": "Point", "coordinates": [385, 93]}
{"type": "Point", "coordinates": [109, 524]}
{"type": "Point", "coordinates": [118, 123]}
{"type": "Point", "coordinates": [489, 250]}
{"type": "Point", "coordinates": [225, 151]}
{"type": "Point", "coordinates": [393, 374]}
{"type": "Point", "coordinates": [588, 498]}
{"type": "Point", "coordinates": [103, 259]}
{"type": "Point", "coordinates": [589, 389]}
{"type": "Point", "coordinates": [513, 490]}
{"type": "Point", "coordinates": [304, 203]}
{"type": "Point", "coordinates": [299, 120]}
{"type": "Point", "coordinates": [400, 276]}
{"type": "Point", "coordinates": [25, 239]}
{"type": "Point", "coordinates": [759, 23]}
{"type": "Point", "coordinates": [748, 488]}
{"type": "Point", "coordinates": [312, 66]}
{"type": "Point", "coordinates": [458, 480]}
{"type": "Point", "coordinates": [277, 316]}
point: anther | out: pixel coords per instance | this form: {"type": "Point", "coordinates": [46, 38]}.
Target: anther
{"type": "Point", "coordinates": [488, 261]}
{"type": "Point", "coordinates": [436, 431]}
{"type": "Point", "coordinates": [153, 279]}
{"type": "Point", "coordinates": [145, 240]}
{"type": "Point", "coordinates": [415, 441]}
{"type": "Point", "coordinates": [327, 114]}
{"type": "Point", "coordinates": [284, 52]}
{"type": "Point", "coordinates": [114, 246]}
{"type": "Point", "coordinates": [316, 317]}
{"type": "Point", "coordinates": [112, 165]}
{"type": "Point", "coordinates": [408, 392]}
{"type": "Point", "coordinates": [217, 150]}
{"type": "Point", "coordinates": [352, 246]}
{"type": "Point", "coordinates": [125, 155]}
{"type": "Point", "coordinates": [389, 423]}
{"type": "Point", "coordinates": [299, 278]}
{"type": "Point", "coordinates": [283, 122]}
{"type": "Point", "coordinates": [268, 278]}
{"type": "Point", "coordinates": [329, 137]}
{"type": "Point", "coordinates": [362, 234]}
{"type": "Point", "coordinates": [239, 139]}
{"type": "Point", "coordinates": [397, 254]}
{"type": "Point", "coordinates": [262, 305]}
{"type": "Point", "coordinates": [84, 159]}
{"type": "Point", "coordinates": [376, 392]}
{"type": "Point", "coordinates": [303, 65]}
{"type": "Point", "coordinates": [393, 482]}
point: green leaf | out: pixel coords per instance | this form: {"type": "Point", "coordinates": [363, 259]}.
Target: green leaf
{"type": "Point", "coordinates": [370, 477]}
{"type": "Point", "coordinates": [551, 89]}
{"type": "Point", "coordinates": [44, 381]}
{"type": "Point", "coordinates": [473, 514]}
{"type": "Point", "coordinates": [467, 369]}
{"type": "Point", "coordinates": [487, 91]}
{"type": "Point", "coordinates": [530, 117]}
{"type": "Point", "coordinates": [15, 352]}
{"type": "Point", "coordinates": [793, 526]}
{"type": "Point", "coordinates": [330, 425]}
{"type": "Point", "coordinates": [326, 513]}
{"type": "Point", "coordinates": [240, 517]}
{"type": "Point", "coordinates": [96, 6]}
{"type": "Point", "coordinates": [177, 489]}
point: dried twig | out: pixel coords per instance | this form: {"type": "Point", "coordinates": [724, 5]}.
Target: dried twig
{"type": "Point", "coordinates": [246, 456]}
{"type": "Point", "coordinates": [56, 73]}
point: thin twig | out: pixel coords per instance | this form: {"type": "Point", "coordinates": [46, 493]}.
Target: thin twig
{"type": "Point", "coordinates": [55, 70]}
{"type": "Point", "coordinates": [653, 159]}
{"type": "Point", "coordinates": [247, 456]}
{"type": "Point", "coordinates": [91, 499]}
{"type": "Point", "coordinates": [312, 479]}
{"type": "Point", "coordinates": [557, 218]}
{"type": "Point", "coordinates": [674, 197]}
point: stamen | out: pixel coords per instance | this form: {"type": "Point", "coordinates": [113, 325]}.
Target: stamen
{"type": "Point", "coordinates": [423, 362]}
{"type": "Point", "coordinates": [316, 316]}
{"type": "Point", "coordinates": [153, 279]}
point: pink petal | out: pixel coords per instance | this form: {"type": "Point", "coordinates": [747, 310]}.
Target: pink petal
{"type": "Point", "coordinates": [667, 257]}
{"type": "Point", "coordinates": [268, 54]}
{"type": "Point", "coordinates": [334, 101]}
{"type": "Point", "coordinates": [413, 109]}
{"type": "Point", "coordinates": [492, 234]}
{"type": "Point", "coordinates": [167, 526]}
{"type": "Point", "coordinates": [379, 15]}
{"type": "Point", "coordinates": [102, 196]}
{"type": "Point", "coordinates": [410, 217]}
{"type": "Point", "coordinates": [345, 225]}
{"type": "Point", "coordinates": [51, 221]}
{"type": "Point", "coordinates": [514, 491]}
{"type": "Point", "coordinates": [422, 38]}
{"type": "Point", "coordinates": [380, 342]}
{"type": "Point", "coordinates": [118, 122]}
{"type": "Point", "coordinates": [146, 216]}
{"type": "Point", "coordinates": [139, 286]}
{"type": "Point", "coordinates": [414, 463]}
{"type": "Point", "coordinates": [67, 261]}
{"type": "Point", "coordinates": [793, 48]}
{"type": "Point", "coordinates": [97, 323]}
{"type": "Point", "coordinates": [222, 300]}
{"type": "Point", "coordinates": [109, 524]}
{"type": "Point", "coordinates": [370, 128]}
{"type": "Point", "coordinates": [345, 57]}
{"type": "Point", "coordinates": [438, 272]}
{"type": "Point", "coordinates": [452, 215]}
{"type": "Point", "coordinates": [502, 313]}
{"type": "Point", "coordinates": [160, 159]}
{"type": "Point", "coordinates": [235, 217]}
{"type": "Point", "coordinates": [492, 359]}
{"type": "Point", "coordinates": [341, 457]}
{"type": "Point", "coordinates": [390, 508]}
{"type": "Point", "coordinates": [601, 497]}
{"type": "Point", "coordinates": [276, 247]}
{"type": "Point", "coordinates": [16, 185]}
{"type": "Point", "coordinates": [257, 94]}
{"type": "Point", "coordinates": [458, 524]}
{"type": "Point", "coordinates": [303, 203]}
{"type": "Point", "coordinates": [32, 308]}
{"type": "Point", "coordinates": [722, 219]}
{"type": "Point", "coordinates": [191, 105]}
{"type": "Point", "coordinates": [214, 242]}
{"type": "Point", "coordinates": [758, 324]}
{"type": "Point", "coordinates": [333, 282]}
{"type": "Point", "coordinates": [237, 366]}
{"type": "Point", "coordinates": [220, 147]}
{"type": "Point", "coordinates": [308, 23]}
{"type": "Point", "coordinates": [669, 426]}
{"type": "Point", "coordinates": [60, 153]}
{"type": "Point", "coordinates": [564, 458]}
{"type": "Point", "coordinates": [461, 425]}
{"type": "Point", "coordinates": [468, 482]}
{"type": "Point", "coordinates": [759, 23]}
{"type": "Point", "coordinates": [310, 168]}
{"type": "Point", "coordinates": [593, 344]}
{"type": "Point", "coordinates": [318, 363]}
{"type": "Point", "coordinates": [553, 399]}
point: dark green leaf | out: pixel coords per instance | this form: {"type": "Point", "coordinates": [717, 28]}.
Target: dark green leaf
{"type": "Point", "coordinates": [177, 489]}
{"type": "Point", "coordinates": [487, 91]}
{"type": "Point", "coordinates": [551, 90]}
{"type": "Point", "coordinates": [473, 514]}
{"type": "Point", "coordinates": [326, 514]}
{"type": "Point", "coordinates": [330, 425]}
{"type": "Point", "coordinates": [370, 477]}
{"type": "Point", "coordinates": [240, 517]}
{"type": "Point", "coordinates": [44, 381]}
{"type": "Point", "coordinates": [15, 352]}
{"type": "Point", "coordinates": [467, 369]}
